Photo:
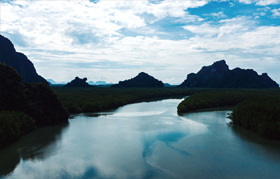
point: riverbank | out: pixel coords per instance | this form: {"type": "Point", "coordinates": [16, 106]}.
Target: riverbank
{"type": "Point", "coordinates": [255, 110]}
{"type": "Point", "coordinates": [78, 100]}
{"type": "Point", "coordinates": [144, 137]}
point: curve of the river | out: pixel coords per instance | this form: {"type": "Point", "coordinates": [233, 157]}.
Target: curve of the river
{"type": "Point", "coordinates": [143, 140]}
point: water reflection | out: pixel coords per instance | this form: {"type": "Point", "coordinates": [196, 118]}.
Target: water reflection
{"type": "Point", "coordinates": [148, 140]}
{"type": "Point", "coordinates": [271, 149]}
{"type": "Point", "coordinates": [37, 145]}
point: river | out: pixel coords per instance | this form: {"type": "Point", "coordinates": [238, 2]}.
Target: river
{"type": "Point", "coordinates": [143, 140]}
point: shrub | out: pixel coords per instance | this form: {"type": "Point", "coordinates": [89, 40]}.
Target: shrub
{"type": "Point", "coordinates": [13, 125]}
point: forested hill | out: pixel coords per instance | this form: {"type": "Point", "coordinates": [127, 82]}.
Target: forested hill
{"type": "Point", "coordinates": [19, 61]}
{"type": "Point", "coordinates": [141, 80]}
{"type": "Point", "coordinates": [218, 75]}
{"type": "Point", "coordinates": [23, 107]}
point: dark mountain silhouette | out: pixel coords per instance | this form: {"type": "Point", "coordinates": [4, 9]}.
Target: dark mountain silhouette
{"type": "Point", "coordinates": [141, 80]}
{"type": "Point", "coordinates": [218, 75]}
{"type": "Point", "coordinates": [19, 61]}
{"type": "Point", "coordinates": [78, 82]}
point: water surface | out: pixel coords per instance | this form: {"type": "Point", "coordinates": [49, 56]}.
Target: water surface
{"type": "Point", "coordinates": [144, 140]}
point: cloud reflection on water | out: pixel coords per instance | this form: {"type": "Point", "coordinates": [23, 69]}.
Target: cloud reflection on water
{"type": "Point", "coordinates": [131, 143]}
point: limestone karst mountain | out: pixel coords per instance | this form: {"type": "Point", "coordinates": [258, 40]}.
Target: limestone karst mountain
{"type": "Point", "coordinates": [141, 80]}
{"type": "Point", "coordinates": [78, 82]}
{"type": "Point", "coordinates": [19, 61]}
{"type": "Point", "coordinates": [218, 75]}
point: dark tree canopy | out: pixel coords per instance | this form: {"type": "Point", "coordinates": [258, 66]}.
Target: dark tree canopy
{"type": "Point", "coordinates": [25, 106]}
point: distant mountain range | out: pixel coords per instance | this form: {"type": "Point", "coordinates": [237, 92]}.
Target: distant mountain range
{"type": "Point", "coordinates": [141, 80]}
{"type": "Point", "coordinates": [51, 81]}
{"type": "Point", "coordinates": [19, 61]}
{"type": "Point", "coordinates": [99, 83]}
{"type": "Point", "coordinates": [218, 75]}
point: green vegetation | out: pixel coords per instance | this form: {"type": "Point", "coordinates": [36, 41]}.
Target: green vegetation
{"type": "Point", "coordinates": [261, 115]}
{"type": "Point", "coordinates": [215, 98]}
{"type": "Point", "coordinates": [13, 125]}
{"type": "Point", "coordinates": [30, 105]}
{"type": "Point", "coordinates": [256, 110]}
{"type": "Point", "coordinates": [77, 100]}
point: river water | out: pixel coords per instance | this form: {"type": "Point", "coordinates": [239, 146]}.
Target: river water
{"type": "Point", "coordinates": [143, 140]}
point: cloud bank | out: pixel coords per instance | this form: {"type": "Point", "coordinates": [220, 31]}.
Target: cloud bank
{"type": "Point", "coordinates": [115, 40]}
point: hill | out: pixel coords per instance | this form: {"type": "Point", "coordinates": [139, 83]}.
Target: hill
{"type": "Point", "coordinates": [141, 80]}
{"type": "Point", "coordinates": [218, 75]}
{"type": "Point", "coordinates": [23, 107]}
{"type": "Point", "coordinates": [19, 61]}
{"type": "Point", "coordinates": [78, 82]}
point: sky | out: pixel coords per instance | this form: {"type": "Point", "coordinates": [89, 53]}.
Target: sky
{"type": "Point", "coordinates": [115, 40]}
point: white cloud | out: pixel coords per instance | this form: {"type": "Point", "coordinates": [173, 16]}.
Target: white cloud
{"type": "Point", "coordinates": [276, 12]}
{"type": "Point", "coordinates": [267, 2]}
{"type": "Point", "coordinates": [227, 26]}
{"type": "Point", "coordinates": [260, 2]}
{"type": "Point", "coordinates": [87, 37]}
{"type": "Point", "coordinates": [219, 14]}
{"type": "Point", "coordinates": [173, 8]}
{"type": "Point", "coordinates": [204, 29]}
{"type": "Point", "coordinates": [246, 1]}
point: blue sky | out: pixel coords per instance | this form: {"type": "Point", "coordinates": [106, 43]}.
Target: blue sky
{"type": "Point", "coordinates": [115, 40]}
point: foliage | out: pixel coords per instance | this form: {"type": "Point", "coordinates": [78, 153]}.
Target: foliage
{"type": "Point", "coordinates": [35, 100]}
{"type": "Point", "coordinates": [42, 104]}
{"type": "Point", "coordinates": [215, 98]}
{"type": "Point", "coordinates": [261, 114]}
{"type": "Point", "coordinates": [77, 100]}
{"type": "Point", "coordinates": [10, 87]}
{"type": "Point", "coordinates": [256, 110]}
{"type": "Point", "coordinates": [14, 124]}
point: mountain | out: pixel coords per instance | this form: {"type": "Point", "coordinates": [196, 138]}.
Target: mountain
{"type": "Point", "coordinates": [99, 83]}
{"type": "Point", "coordinates": [141, 80]}
{"type": "Point", "coordinates": [78, 82]}
{"type": "Point", "coordinates": [218, 75]}
{"type": "Point", "coordinates": [91, 83]}
{"type": "Point", "coordinates": [19, 61]}
{"type": "Point", "coordinates": [51, 81]}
